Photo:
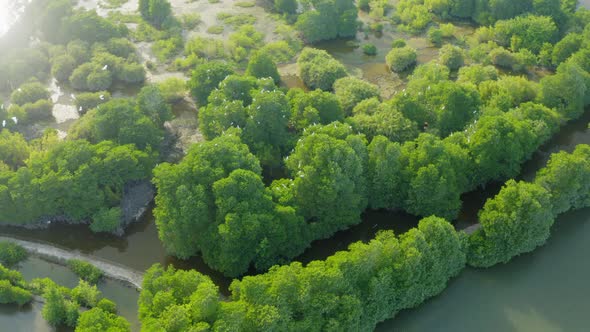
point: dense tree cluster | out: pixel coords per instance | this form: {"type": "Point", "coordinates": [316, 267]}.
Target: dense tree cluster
{"type": "Point", "coordinates": [419, 151]}
{"type": "Point", "coordinates": [201, 208]}
{"type": "Point", "coordinates": [74, 180]}
{"type": "Point", "coordinates": [11, 253]}
{"type": "Point", "coordinates": [157, 12]}
{"type": "Point", "coordinates": [13, 288]}
{"type": "Point", "coordinates": [401, 58]}
{"type": "Point", "coordinates": [353, 289]}
{"type": "Point", "coordinates": [520, 217]}
{"type": "Point", "coordinates": [30, 103]}
{"type": "Point", "coordinates": [126, 121]}
{"type": "Point", "coordinates": [328, 19]}
{"type": "Point", "coordinates": [318, 69]}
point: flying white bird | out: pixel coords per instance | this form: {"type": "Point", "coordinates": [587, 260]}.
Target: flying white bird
{"type": "Point", "coordinates": [101, 97]}
{"type": "Point", "coordinates": [105, 67]}
{"type": "Point", "coordinates": [15, 120]}
{"type": "Point", "coordinates": [80, 109]}
{"type": "Point", "coordinates": [73, 97]}
{"type": "Point", "coordinates": [3, 123]}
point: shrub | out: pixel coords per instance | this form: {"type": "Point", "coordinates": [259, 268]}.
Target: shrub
{"type": "Point", "coordinates": [85, 270]}
{"type": "Point", "coordinates": [166, 49]}
{"type": "Point", "coordinates": [318, 69]}
{"type": "Point", "coordinates": [13, 294]}
{"type": "Point", "coordinates": [401, 59]}
{"type": "Point", "coordinates": [190, 20]}
{"type": "Point", "coordinates": [57, 310]}
{"type": "Point", "coordinates": [106, 220]}
{"type": "Point", "coordinates": [85, 294]}
{"type": "Point", "coordinates": [370, 49]}
{"type": "Point", "coordinates": [29, 93]}
{"type": "Point", "coordinates": [89, 100]}
{"type": "Point", "coordinates": [62, 67]}
{"type": "Point", "coordinates": [452, 57]}
{"type": "Point", "coordinates": [173, 89]}
{"type": "Point", "coordinates": [155, 11]}
{"type": "Point", "coordinates": [11, 253]}
{"type": "Point", "coordinates": [33, 112]}
{"type": "Point", "coordinates": [107, 305]}
{"type": "Point", "coordinates": [398, 43]}
{"type": "Point", "coordinates": [262, 66]}
{"type": "Point", "coordinates": [435, 36]}
{"type": "Point", "coordinates": [215, 29]}
{"type": "Point", "coordinates": [351, 91]}
{"type": "Point", "coordinates": [205, 78]}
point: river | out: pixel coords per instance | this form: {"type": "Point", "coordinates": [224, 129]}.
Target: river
{"type": "Point", "coordinates": [542, 291]}
{"type": "Point", "coordinates": [28, 318]}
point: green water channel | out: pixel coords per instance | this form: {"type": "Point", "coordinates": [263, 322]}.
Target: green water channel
{"type": "Point", "coordinates": [28, 318]}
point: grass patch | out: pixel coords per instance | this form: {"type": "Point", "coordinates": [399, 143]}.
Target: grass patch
{"type": "Point", "coordinates": [111, 4]}
{"type": "Point", "coordinates": [214, 1]}
{"type": "Point", "coordinates": [119, 17]}
{"type": "Point", "coordinates": [215, 29]}
{"type": "Point", "coordinates": [190, 21]}
{"type": "Point", "coordinates": [236, 20]}
{"type": "Point", "coordinates": [245, 4]}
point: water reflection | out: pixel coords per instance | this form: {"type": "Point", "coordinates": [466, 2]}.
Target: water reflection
{"type": "Point", "coordinates": [29, 318]}
{"type": "Point", "coordinates": [541, 291]}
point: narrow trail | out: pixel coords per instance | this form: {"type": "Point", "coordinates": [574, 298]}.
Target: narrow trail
{"type": "Point", "coordinates": [52, 253]}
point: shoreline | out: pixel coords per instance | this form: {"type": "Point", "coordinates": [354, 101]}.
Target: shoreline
{"type": "Point", "coordinates": [53, 254]}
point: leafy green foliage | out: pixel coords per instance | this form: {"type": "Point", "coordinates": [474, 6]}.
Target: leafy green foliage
{"type": "Point", "coordinates": [90, 100]}
{"type": "Point", "coordinates": [90, 27]}
{"type": "Point", "coordinates": [59, 311]}
{"type": "Point", "coordinates": [13, 294]}
{"type": "Point", "coordinates": [14, 150]}
{"type": "Point", "coordinates": [385, 121]}
{"type": "Point", "coordinates": [567, 90]}
{"type": "Point", "coordinates": [98, 320]}
{"type": "Point", "coordinates": [85, 271]}
{"type": "Point", "coordinates": [352, 289]}
{"type": "Point", "coordinates": [567, 178]}
{"type": "Point", "coordinates": [313, 107]}
{"type": "Point", "coordinates": [370, 49]}
{"type": "Point", "coordinates": [286, 6]}
{"type": "Point", "coordinates": [13, 288]}
{"type": "Point", "coordinates": [29, 93]}
{"type": "Point", "coordinates": [173, 89]}
{"type": "Point", "coordinates": [266, 131]}
{"type": "Point", "coordinates": [106, 220]}
{"type": "Point", "coordinates": [529, 32]}
{"type": "Point", "coordinates": [185, 198]}
{"type": "Point", "coordinates": [351, 91]}
{"type": "Point", "coordinates": [125, 122]}
{"type": "Point", "coordinates": [73, 179]}
{"type": "Point", "coordinates": [157, 12]}
{"type": "Point", "coordinates": [516, 221]}
{"type": "Point", "coordinates": [11, 253]}
{"type": "Point", "coordinates": [84, 294]}
{"type": "Point", "coordinates": [261, 65]}
{"type": "Point", "coordinates": [205, 78]}
{"type": "Point", "coordinates": [318, 69]}
{"type": "Point", "coordinates": [18, 66]}
{"type": "Point", "coordinates": [328, 19]}
{"type": "Point", "coordinates": [329, 183]}
{"type": "Point", "coordinates": [401, 59]}
{"type": "Point", "coordinates": [452, 57]}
